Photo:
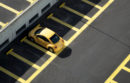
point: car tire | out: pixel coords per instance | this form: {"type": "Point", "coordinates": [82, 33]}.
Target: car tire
{"type": "Point", "coordinates": [51, 49]}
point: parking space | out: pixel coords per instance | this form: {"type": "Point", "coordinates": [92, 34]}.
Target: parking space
{"type": "Point", "coordinates": [67, 19]}
{"type": "Point", "coordinates": [78, 31]}
{"type": "Point", "coordinates": [63, 5]}
{"type": "Point", "coordinates": [86, 9]}
{"type": "Point", "coordinates": [4, 77]}
{"type": "Point", "coordinates": [52, 17]}
{"type": "Point", "coordinates": [35, 55]}
{"type": "Point", "coordinates": [59, 28]}
{"type": "Point", "coordinates": [64, 21]}
{"type": "Point", "coordinates": [14, 65]}
{"type": "Point", "coordinates": [99, 2]}
{"type": "Point", "coordinates": [121, 74]}
{"type": "Point", "coordinates": [11, 9]}
{"type": "Point", "coordinates": [5, 16]}
{"type": "Point", "coordinates": [19, 66]}
{"type": "Point", "coordinates": [16, 4]}
{"type": "Point", "coordinates": [92, 10]}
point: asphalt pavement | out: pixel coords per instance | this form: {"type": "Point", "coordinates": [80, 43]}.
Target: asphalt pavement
{"type": "Point", "coordinates": [92, 57]}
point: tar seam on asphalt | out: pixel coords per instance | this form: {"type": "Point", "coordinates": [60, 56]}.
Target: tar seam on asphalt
{"type": "Point", "coordinates": [110, 36]}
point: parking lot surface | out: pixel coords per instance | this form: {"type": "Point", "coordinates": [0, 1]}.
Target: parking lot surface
{"type": "Point", "coordinates": [9, 10]}
{"type": "Point", "coordinates": [97, 41]}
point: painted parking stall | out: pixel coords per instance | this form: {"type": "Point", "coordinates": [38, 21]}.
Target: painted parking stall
{"type": "Point", "coordinates": [122, 66]}
{"type": "Point", "coordinates": [12, 9]}
{"type": "Point", "coordinates": [77, 31]}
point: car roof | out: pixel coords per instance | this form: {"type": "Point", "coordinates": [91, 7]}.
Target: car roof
{"type": "Point", "coordinates": [47, 32]}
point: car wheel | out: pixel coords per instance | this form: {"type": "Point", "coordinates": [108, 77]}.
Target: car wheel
{"type": "Point", "coordinates": [51, 49]}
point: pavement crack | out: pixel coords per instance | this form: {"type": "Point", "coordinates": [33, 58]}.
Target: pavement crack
{"type": "Point", "coordinates": [110, 36]}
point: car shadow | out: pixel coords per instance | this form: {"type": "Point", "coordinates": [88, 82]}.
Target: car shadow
{"type": "Point", "coordinates": [58, 28]}
{"type": "Point", "coordinates": [65, 53]}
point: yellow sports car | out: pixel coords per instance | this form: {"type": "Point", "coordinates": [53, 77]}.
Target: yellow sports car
{"type": "Point", "coordinates": [47, 38]}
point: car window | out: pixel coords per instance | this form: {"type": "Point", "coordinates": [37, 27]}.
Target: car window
{"type": "Point", "coordinates": [38, 31]}
{"type": "Point", "coordinates": [55, 38]}
{"type": "Point", "coordinates": [43, 38]}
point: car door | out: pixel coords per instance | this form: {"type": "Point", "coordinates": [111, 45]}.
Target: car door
{"type": "Point", "coordinates": [42, 40]}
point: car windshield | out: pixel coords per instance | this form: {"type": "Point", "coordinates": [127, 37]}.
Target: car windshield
{"type": "Point", "coordinates": [55, 38]}
{"type": "Point", "coordinates": [38, 31]}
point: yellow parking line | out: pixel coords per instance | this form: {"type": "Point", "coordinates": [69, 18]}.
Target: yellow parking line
{"type": "Point", "coordinates": [37, 47]}
{"type": "Point", "coordinates": [118, 69]}
{"type": "Point", "coordinates": [112, 81]}
{"type": "Point", "coordinates": [93, 4]}
{"type": "Point", "coordinates": [67, 43]}
{"type": "Point", "coordinates": [62, 22]}
{"type": "Point", "coordinates": [126, 69]}
{"type": "Point", "coordinates": [3, 24]}
{"type": "Point", "coordinates": [12, 75]}
{"type": "Point", "coordinates": [41, 69]}
{"type": "Point", "coordinates": [89, 22]}
{"type": "Point", "coordinates": [31, 1]}
{"type": "Point", "coordinates": [35, 74]}
{"type": "Point", "coordinates": [22, 59]}
{"type": "Point", "coordinates": [74, 11]}
{"type": "Point", "coordinates": [10, 9]}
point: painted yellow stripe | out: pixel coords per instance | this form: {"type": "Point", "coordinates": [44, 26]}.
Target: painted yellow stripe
{"type": "Point", "coordinates": [12, 75]}
{"type": "Point", "coordinates": [92, 4]}
{"type": "Point", "coordinates": [53, 56]}
{"type": "Point", "coordinates": [23, 59]}
{"type": "Point", "coordinates": [67, 43]}
{"type": "Point", "coordinates": [64, 23]}
{"type": "Point", "coordinates": [22, 40]}
{"type": "Point", "coordinates": [113, 81]}
{"type": "Point", "coordinates": [31, 1]}
{"type": "Point", "coordinates": [3, 24]}
{"type": "Point", "coordinates": [126, 69]}
{"type": "Point", "coordinates": [41, 69]}
{"type": "Point", "coordinates": [76, 12]}
{"type": "Point", "coordinates": [10, 9]}
{"type": "Point", "coordinates": [119, 68]}
{"type": "Point", "coordinates": [38, 47]}
{"type": "Point", "coordinates": [89, 22]}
